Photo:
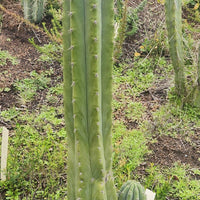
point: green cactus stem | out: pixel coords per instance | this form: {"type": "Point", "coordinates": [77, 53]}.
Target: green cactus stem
{"type": "Point", "coordinates": [33, 10]}
{"type": "Point", "coordinates": [198, 67]}
{"type": "Point", "coordinates": [132, 190]}
{"type": "Point", "coordinates": [174, 27]}
{"type": "Point", "coordinates": [88, 47]}
{"type": "Point", "coordinates": [194, 97]}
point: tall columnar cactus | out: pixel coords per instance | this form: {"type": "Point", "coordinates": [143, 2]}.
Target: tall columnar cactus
{"type": "Point", "coordinates": [174, 27]}
{"type": "Point", "coordinates": [88, 47]}
{"type": "Point", "coordinates": [33, 10]}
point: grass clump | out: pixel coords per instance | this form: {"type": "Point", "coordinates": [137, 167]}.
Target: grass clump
{"type": "Point", "coordinates": [129, 149]}
{"type": "Point", "coordinates": [175, 183]}
{"type": "Point", "coordinates": [29, 86]}
{"type": "Point", "coordinates": [172, 120]}
{"type": "Point", "coordinates": [37, 155]}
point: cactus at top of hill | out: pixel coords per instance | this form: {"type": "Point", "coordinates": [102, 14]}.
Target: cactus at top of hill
{"type": "Point", "coordinates": [173, 10]}
{"type": "Point", "coordinates": [132, 190]}
{"type": "Point", "coordinates": [33, 10]}
{"type": "Point", "coordinates": [88, 47]}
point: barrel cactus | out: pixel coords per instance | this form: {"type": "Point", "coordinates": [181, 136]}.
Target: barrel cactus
{"type": "Point", "coordinates": [33, 10]}
{"type": "Point", "coordinates": [132, 190]}
{"type": "Point", "coordinates": [88, 48]}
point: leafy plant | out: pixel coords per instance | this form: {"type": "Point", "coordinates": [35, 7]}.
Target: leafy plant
{"type": "Point", "coordinates": [10, 114]}
{"type": "Point", "coordinates": [55, 33]}
{"type": "Point", "coordinates": [173, 183]}
{"type": "Point", "coordinates": [29, 86]}
{"type": "Point", "coordinates": [37, 155]}
{"type": "Point", "coordinates": [127, 22]}
{"type": "Point", "coordinates": [192, 4]}
{"type": "Point", "coordinates": [54, 49]}
{"type": "Point", "coordinates": [55, 4]}
{"type": "Point", "coordinates": [50, 52]}
{"type": "Point", "coordinates": [139, 77]}
{"type": "Point", "coordinates": [134, 111]}
{"type": "Point", "coordinates": [6, 56]}
{"type": "Point", "coordinates": [129, 150]}
{"type": "Point", "coordinates": [156, 45]}
{"type": "Point", "coordinates": [133, 19]}
{"type": "Point", "coordinates": [172, 120]}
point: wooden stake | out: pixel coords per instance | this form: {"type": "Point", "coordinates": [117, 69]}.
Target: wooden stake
{"type": "Point", "coordinates": [4, 153]}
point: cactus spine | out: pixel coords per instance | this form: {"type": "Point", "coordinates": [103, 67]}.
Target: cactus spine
{"type": "Point", "coordinates": [33, 10]}
{"type": "Point", "coordinates": [88, 47]}
{"type": "Point", "coordinates": [174, 27]}
{"type": "Point", "coordinates": [132, 190]}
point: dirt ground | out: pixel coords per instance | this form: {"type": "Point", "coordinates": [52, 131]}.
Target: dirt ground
{"type": "Point", "coordinates": [14, 37]}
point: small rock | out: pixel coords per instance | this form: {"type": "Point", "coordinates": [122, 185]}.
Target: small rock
{"type": "Point", "coordinates": [150, 195]}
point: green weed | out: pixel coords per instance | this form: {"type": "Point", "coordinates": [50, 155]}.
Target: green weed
{"type": "Point", "coordinates": [54, 94]}
{"type": "Point", "coordinates": [29, 86]}
{"type": "Point", "coordinates": [129, 149]}
{"type": "Point", "coordinates": [49, 52]}
{"type": "Point", "coordinates": [37, 155]}
{"type": "Point", "coordinates": [156, 45]}
{"type": "Point", "coordinates": [10, 114]}
{"type": "Point", "coordinates": [135, 111]}
{"type": "Point", "coordinates": [137, 78]}
{"type": "Point", "coordinates": [172, 120]}
{"type": "Point", "coordinates": [58, 89]}
{"type": "Point", "coordinates": [133, 18]}
{"type": "Point", "coordinates": [127, 21]}
{"type": "Point", "coordinates": [174, 183]}
{"type": "Point", "coordinates": [5, 57]}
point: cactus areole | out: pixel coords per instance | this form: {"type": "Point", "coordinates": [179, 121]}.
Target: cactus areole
{"type": "Point", "coordinates": [88, 49]}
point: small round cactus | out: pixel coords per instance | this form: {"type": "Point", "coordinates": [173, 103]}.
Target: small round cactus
{"type": "Point", "coordinates": [132, 190]}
